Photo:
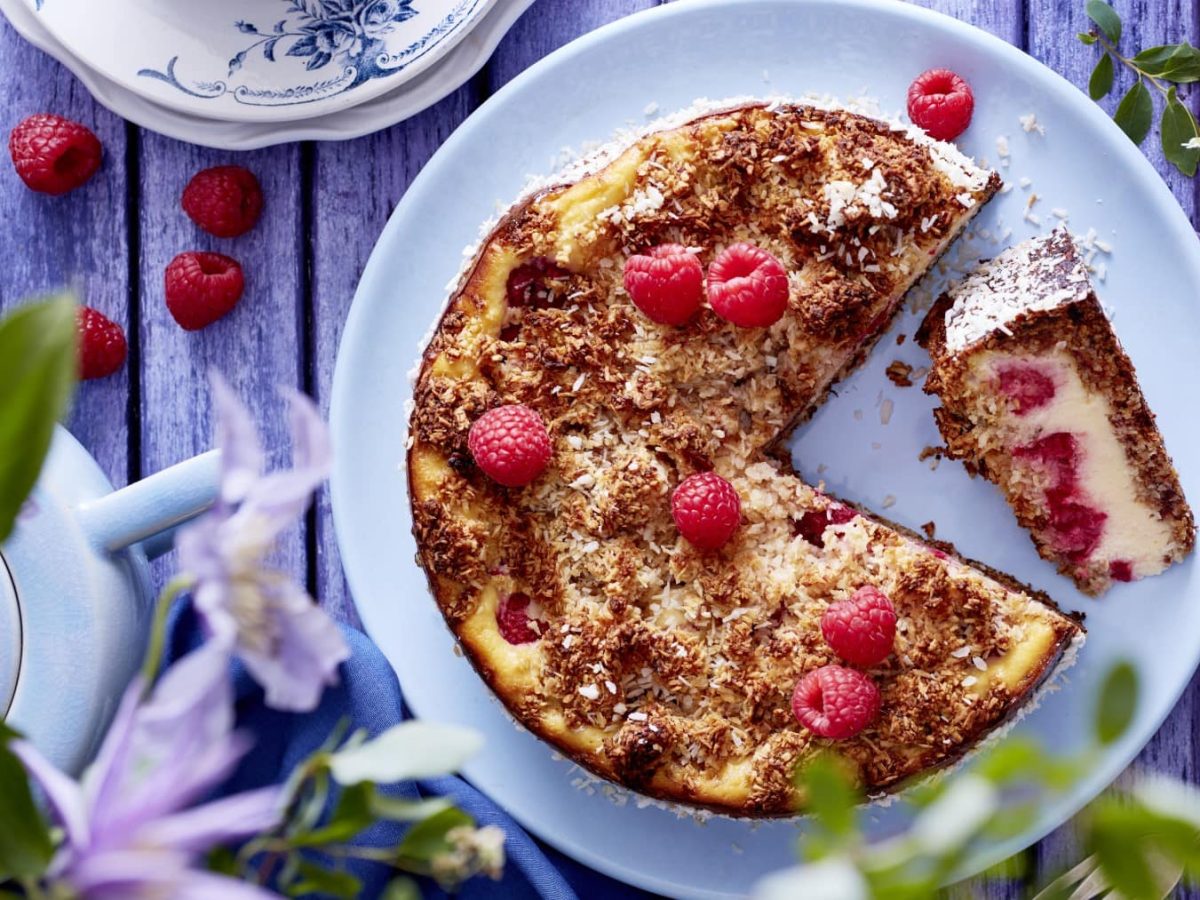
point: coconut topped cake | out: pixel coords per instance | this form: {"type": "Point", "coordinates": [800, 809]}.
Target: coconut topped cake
{"type": "Point", "coordinates": [636, 575]}
{"type": "Point", "coordinates": [1039, 397]}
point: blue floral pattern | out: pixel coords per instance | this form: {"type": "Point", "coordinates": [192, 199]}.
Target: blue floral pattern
{"type": "Point", "coordinates": [348, 39]}
{"type": "Point", "coordinates": [321, 31]}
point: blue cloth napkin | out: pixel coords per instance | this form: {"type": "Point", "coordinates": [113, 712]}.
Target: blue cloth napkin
{"type": "Point", "coordinates": [369, 695]}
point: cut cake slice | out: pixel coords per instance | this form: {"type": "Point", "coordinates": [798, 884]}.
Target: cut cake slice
{"type": "Point", "coordinates": [1039, 397]}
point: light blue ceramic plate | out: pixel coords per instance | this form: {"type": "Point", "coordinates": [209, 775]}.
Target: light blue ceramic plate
{"type": "Point", "coordinates": [1082, 165]}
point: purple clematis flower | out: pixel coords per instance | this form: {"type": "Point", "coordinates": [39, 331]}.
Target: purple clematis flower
{"type": "Point", "coordinates": [287, 642]}
{"type": "Point", "coordinates": [128, 831]}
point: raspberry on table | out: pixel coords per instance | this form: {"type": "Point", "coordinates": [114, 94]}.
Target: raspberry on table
{"type": "Point", "coordinates": [748, 286]}
{"type": "Point", "coordinates": [862, 628]}
{"type": "Point", "coordinates": [225, 200]}
{"type": "Point", "coordinates": [53, 154]}
{"type": "Point", "coordinates": [102, 344]}
{"type": "Point", "coordinates": [202, 287]}
{"type": "Point", "coordinates": [940, 103]}
{"type": "Point", "coordinates": [835, 702]}
{"type": "Point", "coordinates": [666, 283]}
{"type": "Point", "coordinates": [510, 444]}
{"type": "Point", "coordinates": [706, 509]}
{"type": "Point", "coordinates": [514, 621]}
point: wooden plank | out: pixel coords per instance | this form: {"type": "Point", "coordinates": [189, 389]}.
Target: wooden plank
{"type": "Point", "coordinates": [355, 187]}
{"type": "Point", "coordinates": [77, 240]}
{"type": "Point", "coordinates": [1003, 18]}
{"type": "Point", "coordinates": [258, 347]}
{"type": "Point", "coordinates": [1052, 25]}
{"type": "Point", "coordinates": [547, 26]}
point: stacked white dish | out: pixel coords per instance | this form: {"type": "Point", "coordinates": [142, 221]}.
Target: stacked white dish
{"type": "Point", "coordinates": [242, 74]}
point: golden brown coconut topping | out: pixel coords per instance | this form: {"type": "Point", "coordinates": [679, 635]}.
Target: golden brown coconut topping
{"type": "Point", "coordinates": [659, 666]}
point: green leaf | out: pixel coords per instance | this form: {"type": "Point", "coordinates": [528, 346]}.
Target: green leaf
{"type": "Point", "coordinates": [402, 888]}
{"type": "Point", "coordinates": [351, 815]}
{"type": "Point", "coordinates": [1178, 63]}
{"type": "Point", "coordinates": [222, 860]}
{"type": "Point", "coordinates": [409, 750]}
{"type": "Point", "coordinates": [1086, 37]}
{"type": "Point", "coordinates": [1116, 839]}
{"type": "Point", "coordinates": [1106, 17]}
{"type": "Point", "coordinates": [427, 839]}
{"type": "Point", "coordinates": [1101, 81]}
{"type": "Point", "coordinates": [25, 843]}
{"type": "Point", "coordinates": [396, 810]}
{"type": "Point", "coordinates": [1134, 113]}
{"type": "Point", "coordinates": [830, 792]}
{"type": "Point", "coordinates": [315, 879]}
{"type": "Point", "coordinates": [37, 373]}
{"type": "Point", "coordinates": [1177, 128]}
{"type": "Point", "coordinates": [1118, 700]}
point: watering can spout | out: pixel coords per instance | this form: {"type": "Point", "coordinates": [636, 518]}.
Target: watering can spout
{"type": "Point", "coordinates": [149, 511]}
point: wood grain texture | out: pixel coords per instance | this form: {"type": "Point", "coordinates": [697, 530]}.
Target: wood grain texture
{"type": "Point", "coordinates": [1052, 26]}
{"type": "Point", "coordinates": [355, 186]}
{"type": "Point", "coordinates": [77, 241]}
{"type": "Point", "coordinates": [259, 347]}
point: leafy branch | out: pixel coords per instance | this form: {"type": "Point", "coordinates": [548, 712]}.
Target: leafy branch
{"type": "Point", "coordinates": [1162, 68]}
{"type": "Point", "coordinates": [1142, 843]}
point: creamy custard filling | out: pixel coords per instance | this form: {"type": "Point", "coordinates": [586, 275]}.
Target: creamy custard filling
{"type": "Point", "coordinates": [1047, 399]}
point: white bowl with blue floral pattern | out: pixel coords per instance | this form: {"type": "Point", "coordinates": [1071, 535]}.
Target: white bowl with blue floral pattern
{"type": "Point", "coordinates": [259, 60]}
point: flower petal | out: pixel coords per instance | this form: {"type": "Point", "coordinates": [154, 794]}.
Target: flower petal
{"type": "Point", "coordinates": [180, 745]}
{"type": "Point", "coordinates": [311, 445]}
{"type": "Point", "coordinates": [237, 436]}
{"type": "Point", "coordinates": [65, 797]}
{"type": "Point", "coordinates": [125, 874]}
{"type": "Point", "coordinates": [204, 827]}
{"type": "Point", "coordinates": [197, 885]}
{"type": "Point", "coordinates": [304, 655]}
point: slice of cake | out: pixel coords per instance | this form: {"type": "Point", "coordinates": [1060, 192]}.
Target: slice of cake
{"type": "Point", "coordinates": [1038, 396]}
{"type": "Point", "coordinates": [627, 566]}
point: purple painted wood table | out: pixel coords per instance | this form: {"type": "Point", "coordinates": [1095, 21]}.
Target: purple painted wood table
{"type": "Point", "coordinates": [326, 203]}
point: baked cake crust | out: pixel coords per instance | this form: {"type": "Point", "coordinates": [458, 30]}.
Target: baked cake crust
{"type": "Point", "coordinates": [1035, 303]}
{"type": "Point", "coordinates": [657, 666]}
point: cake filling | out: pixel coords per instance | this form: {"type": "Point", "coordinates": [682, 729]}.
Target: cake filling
{"type": "Point", "coordinates": [1065, 449]}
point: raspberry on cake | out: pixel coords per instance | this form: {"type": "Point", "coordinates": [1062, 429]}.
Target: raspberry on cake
{"type": "Point", "coordinates": [674, 569]}
{"type": "Point", "coordinates": [1039, 397]}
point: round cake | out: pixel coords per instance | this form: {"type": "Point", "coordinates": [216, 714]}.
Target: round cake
{"type": "Point", "coordinates": [653, 662]}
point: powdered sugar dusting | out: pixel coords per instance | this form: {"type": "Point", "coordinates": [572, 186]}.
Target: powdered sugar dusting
{"type": "Point", "coordinates": [1038, 274]}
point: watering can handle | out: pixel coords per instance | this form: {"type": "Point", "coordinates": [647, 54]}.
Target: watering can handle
{"type": "Point", "coordinates": [149, 511]}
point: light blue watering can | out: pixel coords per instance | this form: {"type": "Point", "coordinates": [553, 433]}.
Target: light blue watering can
{"type": "Point", "coordinates": [75, 593]}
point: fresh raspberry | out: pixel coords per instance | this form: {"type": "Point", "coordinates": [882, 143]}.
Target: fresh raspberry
{"type": "Point", "coordinates": [514, 620]}
{"type": "Point", "coordinates": [225, 200]}
{"type": "Point", "coordinates": [529, 284]}
{"type": "Point", "coordinates": [811, 526]}
{"type": "Point", "coordinates": [54, 155]}
{"type": "Point", "coordinates": [1028, 385]}
{"type": "Point", "coordinates": [706, 510]}
{"type": "Point", "coordinates": [666, 283]}
{"type": "Point", "coordinates": [861, 629]}
{"type": "Point", "coordinates": [835, 702]}
{"type": "Point", "coordinates": [940, 103]}
{"type": "Point", "coordinates": [202, 287]}
{"type": "Point", "coordinates": [747, 286]}
{"type": "Point", "coordinates": [102, 345]}
{"type": "Point", "coordinates": [511, 444]}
